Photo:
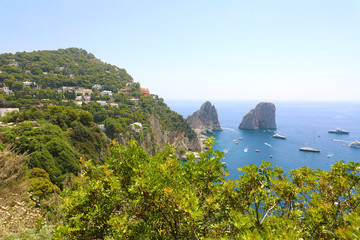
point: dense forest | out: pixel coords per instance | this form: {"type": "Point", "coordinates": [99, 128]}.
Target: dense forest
{"type": "Point", "coordinates": [80, 158]}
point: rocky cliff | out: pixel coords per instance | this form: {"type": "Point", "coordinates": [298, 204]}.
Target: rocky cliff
{"type": "Point", "coordinates": [205, 120]}
{"type": "Point", "coordinates": [262, 117]}
{"type": "Point", "coordinates": [174, 138]}
{"type": "Point", "coordinates": [159, 137]}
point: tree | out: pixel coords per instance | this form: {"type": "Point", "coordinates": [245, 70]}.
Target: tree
{"type": "Point", "coordinates": [40, 186]}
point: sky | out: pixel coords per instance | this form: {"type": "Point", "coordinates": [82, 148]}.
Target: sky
{"type": "Point", "coordinates": [204, 49]}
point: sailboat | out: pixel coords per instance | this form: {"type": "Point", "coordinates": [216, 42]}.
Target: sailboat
{"type": "Point", "coordinates": [310, 149]}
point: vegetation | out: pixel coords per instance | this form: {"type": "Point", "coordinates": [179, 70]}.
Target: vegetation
{"type": "Point", "coordinates": [55, 139]}
{"type": "Point", "coordinates": [45, 78]}
{"type": "Point", "coordinates": [53, 153]}
{"type": "Point", "coordinates": [134, 194]}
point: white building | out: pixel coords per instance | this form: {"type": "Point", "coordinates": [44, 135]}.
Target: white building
{"type": "Point", "coordinates": [136, 126]}
{"type": "Point", "coordinates": [103, 93]}
{"type": "Point", "coordinates": [3, 111]}
{"type": "Point", "coordinates": [27, 83]}
{"type": "Point", "coordinates": [97, 86]}
{"type": "Point", "coordinates": [114, 105]}
{"type": "Point", "coordinates": [102, 102]}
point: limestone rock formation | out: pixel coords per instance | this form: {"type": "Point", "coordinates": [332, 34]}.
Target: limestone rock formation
{"type": "Point", "coordinates": [262, 117]}
{"type": "Point", "coordinates": [205, 120]}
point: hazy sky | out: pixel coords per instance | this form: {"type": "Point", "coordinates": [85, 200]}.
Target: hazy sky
{"type": "Point", "coordinates": [204, 49]}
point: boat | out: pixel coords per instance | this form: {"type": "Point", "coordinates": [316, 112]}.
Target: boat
{"type": "Point", "coordinates": [339, 131]}
{"type": "Point", "coordinates": [278, 136]}
{"type": "Point", "coordinates": [257, 150]}
{"type": "Point", "coordinates": [355, 144]}
{"type": "Point", "coordinates": [330, 155]}
{"type": "Point", "coordinates": [236, 142]}
{"type": "Point", "coordinates": [246, 149]}
{"type": "Point", "coordinates": [240, 138]}
{"type": "Point", "coordinates": [310, 149]}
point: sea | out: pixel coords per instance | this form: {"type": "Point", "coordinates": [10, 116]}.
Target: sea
{"type": "Point", "coordinates": [302, 123]}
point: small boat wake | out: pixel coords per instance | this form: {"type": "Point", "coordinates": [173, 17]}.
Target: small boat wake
{"type": "Point", "coordinates": [267, 144]}
{"type": "Point", "coordinates": [226, 150]}
{"type": "Point", "coordinates": [339, 140]}
{"type": "Point", "coordinates": [230, 129]}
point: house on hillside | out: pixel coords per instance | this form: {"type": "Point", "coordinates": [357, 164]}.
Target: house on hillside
{"type": "Point", "coordinates": [125, 90]}
{"type": "Point", "coordinates": [87, 98]}
{"type": "Point", "coordinates": [136, 126]}
{"type": "Point", "coordinates": [84, 91]}
{"type": "Point", "coordinates": [103, 103]}
{"type": "Point", "coordinates": [27, 72]}
{"type": "Point", "coordinates": [103, 93]}
{"type": "Point", "coordinates": [136, 100]}
{"type": "Point", "coordinates": [144, 90]}
{"type": "Point", "coordinates": [64, 89]}
{"type": "Point", "coordinates": [97, 86]}
{"type": "Point", "coordinates": [14, 64]}
{"type": "Point", "coordinates": [114, 105]}
{"type": "Point", "coordinates": [3, 111]}
{"type": "Point", "coordinates": [6, 90]}
{"type": "Point", "coordinates": [27, 83]}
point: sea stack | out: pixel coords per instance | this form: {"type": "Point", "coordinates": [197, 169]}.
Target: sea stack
{"type": "Point", "coordinates": [205, 120]}
{"type": "Point", "coordinates": [262, 117]}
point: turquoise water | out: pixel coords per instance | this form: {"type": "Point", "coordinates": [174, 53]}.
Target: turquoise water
{"type": "Point", "coordinates": [298, 121]}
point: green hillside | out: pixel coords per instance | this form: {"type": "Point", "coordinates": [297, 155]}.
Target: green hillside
{"type": "Point", "coordinates": [67, 100]}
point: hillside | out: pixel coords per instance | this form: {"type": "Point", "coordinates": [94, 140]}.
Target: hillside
{"type": "Point", "coordinates": [73, 77]}
{"type": "Point", "coordinates": [65, 100]}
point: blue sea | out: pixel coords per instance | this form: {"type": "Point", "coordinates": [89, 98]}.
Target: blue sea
{"type": "Point", "coordinates": [303, 124]}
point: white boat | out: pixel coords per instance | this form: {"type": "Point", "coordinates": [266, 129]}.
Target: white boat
{"type": "Point", "coordinates": [278, 136]}
{"type": "Point", "coordinates": [339, 131]}
{"type": "Point", "coordinates": [330, 155]}
{"type": "Point", "coordinates": [257, 150]}
{"type": "Point", "coordinates": [309, 149]}
{"type": "Point", "coordinates": [246, 150]}
{"type": "Point", "coordinates": [240, 138]}
{"type": "Point", "coordinates": [355, 144]}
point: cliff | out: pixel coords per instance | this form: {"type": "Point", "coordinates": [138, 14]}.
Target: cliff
{"type": "Point", "coordinates": [262, 117]}
{"type": "Point", "coordinates": [205, 120]}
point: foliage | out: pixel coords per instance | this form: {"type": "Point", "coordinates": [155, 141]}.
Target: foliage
{"type": "Point", "coordinates": [40, 186]}
{"type": "Point", "coordinates": [55, 139]}
{"type": "Point", "coordinates": [134, 194]}
{"type": "Point", "coordinates": [48, 71]}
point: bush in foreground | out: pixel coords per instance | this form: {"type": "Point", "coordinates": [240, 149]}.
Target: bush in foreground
{"type": "Point", "coordinates": [134, 195]}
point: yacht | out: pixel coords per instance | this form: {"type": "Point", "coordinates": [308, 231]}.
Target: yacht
{"type": "Point", "coordinates": [246, 150]}
{"type": "Point", "coordinates": [278, 136]}
{"type": "Point", "coordinates": [355, 144]}
{"type": "Point", "coordinates": [339, 131]}
{"type": "Point", "coordinates": [309, 149]}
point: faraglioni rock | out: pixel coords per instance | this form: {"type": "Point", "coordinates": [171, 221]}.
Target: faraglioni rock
{"type": "Point", "coordinates": [262, 117]}
{"type": "Point", "coordinates": [205, 120]}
